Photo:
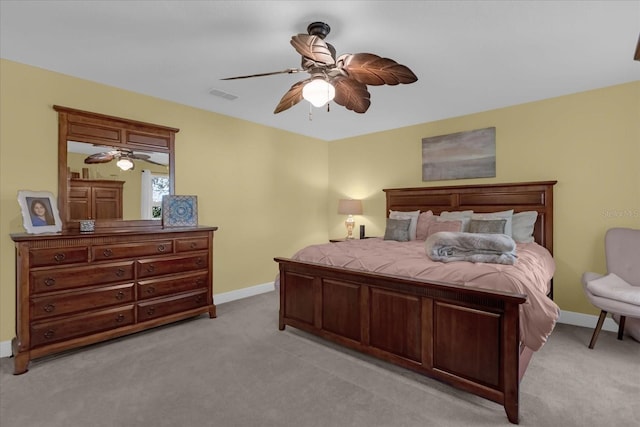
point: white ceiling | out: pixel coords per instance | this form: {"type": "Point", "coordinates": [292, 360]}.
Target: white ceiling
{"type": "Point", "coordinates": [469, 56]}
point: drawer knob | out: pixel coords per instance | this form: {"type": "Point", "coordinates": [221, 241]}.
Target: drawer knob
{"type": "Point", "coordinates": [199, 282]}
{"type": "Point", "coordinates": [49, 308]}
{"type": "Point", "coordinates": [193, 245]}
{"type": "Point", "coordinates": [120, 272]}
{"type": "Point", "coordinates": [199, 299]}
{"type": "Point", "coordinates": [199, 262]}
{"type": "Point", "coordinates": [107, 252]}
{"type": "Point", "coordinates": [119, 295]}
{"type": "Point", "coordinates": [49, 334]}
{"type": "Point", "coordinates": [59, 257]}
{"type": "Point", "coordinates": [151, 290]}
{"type": "Point", "coordinates": [150, 311]}
{"type": "Point", "coordinates": [49, 281]}
{"type": "Point", "coordinates": [120, 318]}
{"type": "Point", "coordinates": [161, 248]}
{"type": "Point", "coordinates": [150, 268]}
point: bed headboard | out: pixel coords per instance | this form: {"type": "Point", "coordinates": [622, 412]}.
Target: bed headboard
{"type": "Point", "coordinates": [520, 196]}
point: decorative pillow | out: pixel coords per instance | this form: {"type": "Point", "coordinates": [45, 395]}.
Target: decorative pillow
{"type": "Point", "coordinates": [436, 226]}
{"type": "Point", "coordinates": [508, 215]}
{"type": "Point", "coordinates": [422, 228]}
{"type": "Point", "coordinates": [489, 226]}
{"type": "Point", "coordinates": [522, 226]}
{"type": "Point", "coordinates": [464, 216]}
{"type": "Point", "coordinates": [397, 229]}
{"type": "Point", "coordinates": [412, 215]}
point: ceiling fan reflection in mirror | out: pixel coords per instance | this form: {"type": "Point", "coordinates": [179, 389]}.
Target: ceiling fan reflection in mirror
{"type": "Point", "coordinates": [124, 158]}
{"type": "Point", "coordinates": [343, 80]}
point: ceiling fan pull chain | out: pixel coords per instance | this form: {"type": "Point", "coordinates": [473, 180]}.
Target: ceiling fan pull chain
{"type": "Point", "coordinates": [310, 113]}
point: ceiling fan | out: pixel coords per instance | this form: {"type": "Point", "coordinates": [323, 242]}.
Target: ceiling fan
{"type": "Point", "coordinates": [343, 80]}
{"type": "Point", "coordinates": [124, 158]}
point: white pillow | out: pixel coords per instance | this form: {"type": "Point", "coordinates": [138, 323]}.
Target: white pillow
{"type": "Point", "coordinates": [522, 226]}
{"type": "Point", "coordinates": [508, 215]}
{"type": "Point", "coordinates": [412, 215]}
{"type": "Point", "coordinates": [463, 216]}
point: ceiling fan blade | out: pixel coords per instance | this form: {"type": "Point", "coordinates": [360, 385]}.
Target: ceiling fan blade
{"type": "Point", "coordinates": [287, 71]}
{"type": "Point", "coordinates": [637, 55]}
{"type": "Point", "coordinates": [351, 94]}
{"type": "Point", "coordinates": [374, 70]}
{"type": "Point", "coordinates": [314, 48]}
{"type": "Point", "coordinates": [292, 97]}
{"type": "Point", "coordinates": [100, 158]}
{"type": "Point", "coordinates": [153, 162]}
{"type": "Point", "coordinates": [138, 156]}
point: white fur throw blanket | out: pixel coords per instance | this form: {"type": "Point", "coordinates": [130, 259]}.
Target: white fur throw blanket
{"type": "Point", "coordinates": [448, 246]}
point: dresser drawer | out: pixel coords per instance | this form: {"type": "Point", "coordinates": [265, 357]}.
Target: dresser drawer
{"type": "Point", "coordinates": [164, 306]}
{"type": "Point", "coordinates": [157, 267]}
{"type": "Point", "coordinates": [57, 256]}
{"type": "Point", "coordinates": [73, 277]}
{"type": "Point", "coordinates": [194, 244]}
{"type": "Point", "coordinates": [73, 302]}
{"type": "Point", "coordinates": [131, 250]}
{"type": "Point", "coordinates": [80, 325]}
{"type": "Point", "coordinates": [176, 284]}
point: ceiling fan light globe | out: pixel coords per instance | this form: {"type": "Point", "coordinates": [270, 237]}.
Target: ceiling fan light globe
{"type": "Point", "coordinates": [318, 92]}
{"type": "Point", "coordinates": [125, 164]}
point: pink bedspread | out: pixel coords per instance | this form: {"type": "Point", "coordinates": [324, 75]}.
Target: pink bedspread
{"type": "Point", "coordinates": [530, 275]}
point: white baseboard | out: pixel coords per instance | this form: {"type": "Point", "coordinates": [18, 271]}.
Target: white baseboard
{"type": "Point", "coordinates": [566, 317]}
{"type": "Point", "coordinates": [5, 349]}
{"type": "Point", "coordinates": [243, 293]}
{"type": "Point", "coordinates": [586, 321]}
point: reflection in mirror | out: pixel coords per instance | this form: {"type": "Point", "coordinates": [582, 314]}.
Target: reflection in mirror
{"type": "Point", "coordinates": [144, 180]}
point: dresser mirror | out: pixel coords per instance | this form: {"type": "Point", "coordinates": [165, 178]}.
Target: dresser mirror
{"type": "Point", "coordinates": [112, 170]}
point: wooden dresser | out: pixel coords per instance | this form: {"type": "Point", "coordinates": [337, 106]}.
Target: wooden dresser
{"type": "Point", "coordinates": [75, 289]}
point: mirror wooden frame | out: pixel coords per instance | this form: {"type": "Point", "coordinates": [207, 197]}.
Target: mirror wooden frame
{"type": "Point", "coordinates": [95, 128]}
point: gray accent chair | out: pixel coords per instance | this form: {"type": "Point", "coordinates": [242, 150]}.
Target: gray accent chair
{"type": "Point", "coordinates": [617, 292]}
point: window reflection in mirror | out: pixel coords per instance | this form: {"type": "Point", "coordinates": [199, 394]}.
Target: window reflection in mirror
{"type": "Point", "coordinates": [144, 184]}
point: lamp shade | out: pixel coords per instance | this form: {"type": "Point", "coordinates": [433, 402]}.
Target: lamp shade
{"type": "Point", "coordinates": [350, 207]}
{"type": "Point", "coordinates": [125, 164]}
{"type": "Point", "coordinates": [318, 92]}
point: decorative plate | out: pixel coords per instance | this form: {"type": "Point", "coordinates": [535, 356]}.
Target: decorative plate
{"type": "Point", "coordinates": [179, 211]}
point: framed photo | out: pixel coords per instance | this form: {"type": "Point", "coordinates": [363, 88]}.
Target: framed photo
{"type": "Point", "coordinates": [39, 212]}
{"type": "Point", "coordinates": [179, 211]}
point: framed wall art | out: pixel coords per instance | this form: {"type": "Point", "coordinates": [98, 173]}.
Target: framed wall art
{"type": "Point", "coordinates": [39, 212]}
{"type": "Point", "coordinates": [179, 211]}
{"type": "Point", "coordinates": [470, 154]}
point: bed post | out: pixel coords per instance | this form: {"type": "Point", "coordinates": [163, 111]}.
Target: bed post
{"type": "Point", "coordinates": [511, 352]}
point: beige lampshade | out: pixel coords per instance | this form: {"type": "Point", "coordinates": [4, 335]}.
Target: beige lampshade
{"type": "Point", "coordinates": [350, 207]}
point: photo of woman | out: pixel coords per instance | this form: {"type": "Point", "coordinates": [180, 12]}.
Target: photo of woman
{"type": "Point", "coordinates": [41, 213]}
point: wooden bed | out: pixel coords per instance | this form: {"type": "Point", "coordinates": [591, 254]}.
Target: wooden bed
{"type": "Point", "coordinates": [467, 337]}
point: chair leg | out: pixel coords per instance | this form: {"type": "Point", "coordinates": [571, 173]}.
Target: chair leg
{"type": "Point", "coordinates": [596, 331]}
{"type": "Point", "coordinates": [621, 327]}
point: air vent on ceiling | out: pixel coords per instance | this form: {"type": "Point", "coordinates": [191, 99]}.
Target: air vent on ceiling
{"type": "Point", "coordinates": [222, 94]}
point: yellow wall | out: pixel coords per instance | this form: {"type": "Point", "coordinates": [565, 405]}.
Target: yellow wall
{"type": "Point", "coordinates": [265, 189]}
{"type": "Point", "coordinates": [589, 142]}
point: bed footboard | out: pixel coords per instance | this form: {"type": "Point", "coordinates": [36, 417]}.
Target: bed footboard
{"type": "Point", "coordinates": [466, 337]}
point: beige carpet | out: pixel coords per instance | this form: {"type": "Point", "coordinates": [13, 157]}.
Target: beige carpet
{"type": "Point", "coordinates": [239, 370]}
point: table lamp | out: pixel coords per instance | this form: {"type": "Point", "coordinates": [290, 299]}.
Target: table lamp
{"type": "Point", "coordinates": [350, 207]}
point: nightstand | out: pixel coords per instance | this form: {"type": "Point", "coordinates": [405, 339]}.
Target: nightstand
{"type": "Point", "coordinates": [344, 239]}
